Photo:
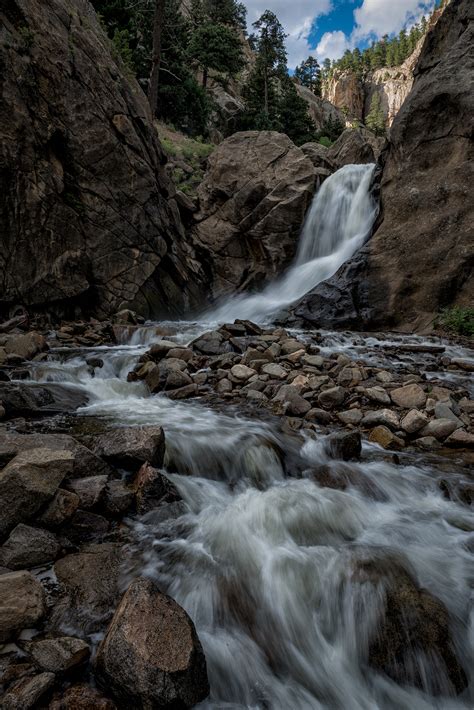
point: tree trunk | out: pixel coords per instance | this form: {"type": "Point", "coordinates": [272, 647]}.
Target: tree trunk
{"type": "Point", "coordinates": [158, 21]}
{"type": "Point", "coordinates": [265, 77]}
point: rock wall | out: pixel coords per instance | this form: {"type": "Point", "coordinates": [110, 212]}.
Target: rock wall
{"type": "Point", "coordinates": [87, 216]}
{"type": "Point", "coordinates": [320, 110]}
{"type": "Point", "coordinates": [252, 203]}
{"type": "Point", "coordinates": [421, 256]}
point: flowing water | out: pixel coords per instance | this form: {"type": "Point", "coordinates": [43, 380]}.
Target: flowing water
{"type": "Point", "coordinates": [264, 559]}
{"type": "Point", "coordinates": [338, 222]}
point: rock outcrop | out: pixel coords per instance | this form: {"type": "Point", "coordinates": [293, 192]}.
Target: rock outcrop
{"type": "Point", "coordinates": [355, 146]}
{"type": "Point", "coordinates": [88, 220]}
{"type": "Point", "coordinates": [321, 110]}
{"type": "Point", "coordinates": [421, 256]}
{"type": "Point", "coordinates": [346, 91]}
{"type": "Point", "coordinates": [252, 203]}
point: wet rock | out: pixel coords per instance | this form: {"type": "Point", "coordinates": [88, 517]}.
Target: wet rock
{"type": "Point", "coordinates": [351, 417]}
{"type": "Point", "coordinates": [152, 488]}
{"type": "Point", "coordinates": [444, 411]}
{"type": "Point", "coordinates": [28, 547]}
{"type": "Point", "coordinates": [242, 373]}
{"type": "Point", "coordinates": [332, 397]}
{"type": "Point", "coordinates": [160, 349]}
{"type": "Point", "coordinates": [151, 655]}
{"type": "Point", "coordinates": [319, 415]}
{"type": "Point", "coordinates": [58, 655]}
{"type": "Point", "coordinates": [26, 345]}
{"type": "Point", "coordinates": [224, 386]}
{"type": "Point", "coordinates": [131, 447]}
{"type": "Point", "coordinates": [384, 437]}
{"type": "Point", "coordinates": [30, 481]}
{"type": "Point", "coordinates": [439, 428]}
{"type": "Point", "coordinates": [274, 371]}
{"type": "Point", "coordinates": [354, 146]}
{"type": "Point", "coordinates": [385, 417]}
{"type": "Point", "coordinates": [378, 395]}
{"type": "Point", "coordinates": [349, 376]}
{"type": "Point", "coordinates": [118, 498]}
{"type": "Point", "coordinates": [460, 439]}
{"type": "Point", "coordinates": [293, 403]}
{"type": "Point", "coordinates": [81, 697]}
{"type": "Point", "coordinates": [26, 693]}
{"type": "Point", "coordinates": [22, 603]}
{"type": "Point", "coordinates": [179, 353]}
{"type": "Point", "coordinates": [177, 379]}
{"type": "Point", "coordinates": [85, 526]}
{"type": "Point", "coordinates": [62, 507]}
{"type": "Point", "coordinates": [413, 624]}
{"type": "Point", "coordinates": [312, 361]}
{"type": "Point", "coordinates": [463, 364]}
{"type": "Point", "coordinates": [184, 392]}
{"type": "Point", "coordinates": [20, 399]}
{"type": "Point", "coordinates": [90, 491]}
{"type": "Point", "coordinates": [212, 343]}
{"type": "Point", "coordinates": [414, 421]}
{"type": "Point", "coordinates": [345, 446]}
{"type": "Point", "coordinates": [90, 585]}
{"type": "Point", "coordinates": [428, 443]}
{"type": "Point", "coordinates": [409, 397]}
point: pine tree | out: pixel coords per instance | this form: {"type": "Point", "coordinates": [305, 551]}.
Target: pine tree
{"type": "Point", "coordinates": [271, 53]}
{"type": "Point", "coordinates": [218, 47]}
{"type": "Point", "coordinates": [293, 117]}
{"type": "Point", "coordinates": [375, 120]}
{"type": "Point", "coordinates": [308, 74]}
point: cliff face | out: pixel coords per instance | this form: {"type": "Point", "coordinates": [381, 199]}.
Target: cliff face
{"type": "Point", "coordinates": [421, 257]}
{"type": "Point", "coordinates": [87, 216]}
{"type": "Point", "coordinates": [393, 84]}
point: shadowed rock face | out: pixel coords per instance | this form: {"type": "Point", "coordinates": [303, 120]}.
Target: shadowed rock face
{"type": "Point", "coordinates": [87, 219]}
{"type": "Point", "coordinates": [421, 256]}
{"type": "Point", "coordinates": [252, 202]}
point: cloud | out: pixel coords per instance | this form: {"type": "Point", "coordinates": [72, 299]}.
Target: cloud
{"type": "Point", "coordinates": [296, 16]}
{"type": "Point", "coordinates": [379, 17]}
{"type": "Point", "coordinates": [372, 20]}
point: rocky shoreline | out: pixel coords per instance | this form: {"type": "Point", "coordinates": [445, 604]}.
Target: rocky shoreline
{"type": "Point", "coordinates": [68, 495]}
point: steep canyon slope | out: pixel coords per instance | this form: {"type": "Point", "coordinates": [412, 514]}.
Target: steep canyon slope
{"type": "Point", "coordinates": [420, 258]}
{"type": "Point", "coordinates": [88, 219]}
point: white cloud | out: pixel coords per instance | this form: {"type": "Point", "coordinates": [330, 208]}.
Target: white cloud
{"type": "Point", "coordinates": [332, 45]}
{"type": "Point", "coordinates": [296, 16]}
{"type": "Point", "coordinates": [379, 17]}
{"type": "Point", "coordinates": [373, 19]}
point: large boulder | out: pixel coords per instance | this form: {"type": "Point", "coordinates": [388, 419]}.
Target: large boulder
{"type": "Point", "coordinates": [88, 217]}
{"type": "Point", "coordinates": [355, 145]}
{"type": "Point", "coordinates": [421, 256]}
{"type": "Point", "coordinates": [22, 603]}
{"type": "Point", "coordinates": [252, 203]}
{"type": "Point", "coordinates": [151, 655]}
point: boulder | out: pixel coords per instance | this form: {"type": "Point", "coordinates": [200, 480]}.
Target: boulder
{"type": "Point", "coordinates": [413, 421]}
{"type": "Point", "coordinates": [252, 203]}
{"type": "Point", "coordinates": [24, 399]}
{"type": "Point", "coordinates": [152, 489]}
{"type": "Point", "coordinates": [81, 697]}
{"type": "Point", "coordinates": [131, 447]}
{"type": "Point", "coordinates": [27, 692]}
{"type": "Point", "coordinates": [26, 345]}
{"type": "Point", "coordinates": [439, 428]}
{"type": "Point", "coordinates": [355, 145]}
{"type": "Point", "coordinates": [345, 446]}
{"type": "Point", "coordinates": [30, 481]}
{"type": "Point", "coordinates": [385, 417]}
{"type": "Point", "coordinates": [461, 439]}
{"type": "Point", "coordinates": [75, 234]}
{"type": "Point", "coordinates": [90, 490]}
{"type": "Point", "coordinates": [293, 403]}
{"type": "Point", "coordinates": [22, 603]}
{"type": "Point", "coordinates": [384, 437]}
{"type": "Point", "coordinates": [58, 655]}
{"type": "Point", "coordinates": [409, 396]}
{"type": "Point", "coordinates": [332, 397]}
{"type": "Point", "coordinates": [318, 154]}
{"type": "Point", "coordinates": [151, 655]}
{"type": "Point", "coordinates": [413, 624]}
{"type": "Point", "coordinates": [62, 507]}
{"type": "Point", "coordinates": [89, 582]}
{"type": "Point", "coordinates": [28, 547]}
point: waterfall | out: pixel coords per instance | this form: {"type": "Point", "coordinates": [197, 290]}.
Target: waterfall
{"type": "Point", "coordinates": [338, 222]}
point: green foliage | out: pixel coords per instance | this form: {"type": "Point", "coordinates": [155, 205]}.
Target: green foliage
{"type": "Point", "coordinates": [375, 120]}
{"type": "Point", "coordinates": [324, 140]}
{"type": "Point", "coordinates": [457, 320]}
{"type": "Point", "coordinates": [121, 43]}
{"type": "Point", "coordinates": [190, 151]}
{"type": "Point", "coordinates": [218, 47]}
{"type": "Point", "coordinates": [308, 74]}
{"type": "Point", "coordinates": [293, 116]}
{"type": "Point", "coordinates": [332, 129]}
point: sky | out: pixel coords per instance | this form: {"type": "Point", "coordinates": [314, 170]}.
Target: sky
{"type": "Point", "coordinates": [326, 28]}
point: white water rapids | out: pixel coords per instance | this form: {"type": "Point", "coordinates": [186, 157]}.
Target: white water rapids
{"type": "Point", "coordinates": [260, 556]}
{"type": "Point", "coordinates": [338, 222]}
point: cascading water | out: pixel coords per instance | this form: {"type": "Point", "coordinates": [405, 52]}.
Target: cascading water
{"type": "Point", "coordinates": [339, 220]}
{"type": "Point", "coordinates": [265, 563]}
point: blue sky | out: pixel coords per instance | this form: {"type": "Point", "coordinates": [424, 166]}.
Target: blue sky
{"type": "Point", "coordinates": [326, 28]}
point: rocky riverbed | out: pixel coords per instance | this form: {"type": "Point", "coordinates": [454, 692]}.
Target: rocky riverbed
{"type": "Point", "coordinates": [157, 480]}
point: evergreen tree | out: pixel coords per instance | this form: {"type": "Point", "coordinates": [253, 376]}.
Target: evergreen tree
{"type": "Point", "coordinates": [293, 117]}
{"type": "Point", "coordinates": [375, 120]}
{"type": "Point", "coordinates": [218, 47]}
{"type": "Point", "coordinates": [308, 74]}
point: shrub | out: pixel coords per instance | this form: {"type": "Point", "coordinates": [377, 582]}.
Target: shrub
{"type": "Point", "coordinates": [457, 320]}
